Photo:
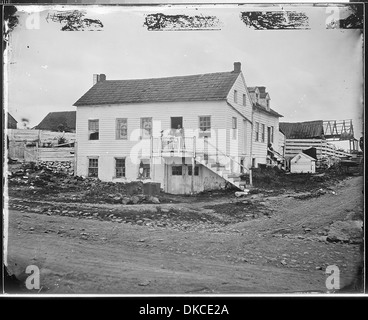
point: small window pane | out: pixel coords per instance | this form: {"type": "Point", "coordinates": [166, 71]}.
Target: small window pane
{"type": "Point", "coordinates": [120, 167]}
{"type": "Point", "coordinates": [196, 170]}
{"type": "Point", "coordinates": [146, 127]}
{"type": "Point", "coordinates": [122, 128]}
{"type": "Point", "coordinates": [234, 123]}
{"type": "Point", "coordinates": [93, 167]}
{"type": "Point", "coordinates": [93, 129]}
{"type": "Point", "coordinates": [176, 170]}
{"type": "Point", "coordinates": [205, 123]}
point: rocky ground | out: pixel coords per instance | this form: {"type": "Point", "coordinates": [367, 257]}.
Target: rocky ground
{"type": "Point", "coordinates": [273, 240]}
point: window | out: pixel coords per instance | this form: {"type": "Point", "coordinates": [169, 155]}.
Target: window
{"type": "Point", "coordinates": [93, 129]}
{"type": "Point", "coordinates": [234, 127]}
{"type": "Point", "coordinates": [271, 134]}
{"type": "Point", "coordinates": [236, 96]}
{"type": "Point", "coordinates": [93, 167]}
{"type": "Point", "coordinates": [244, 100]}
{"type": "Point", "coordinates": [263, 133]}
{"type": "Point", "coordinates": [196, 170]}
{"type": "Point", "coordinates": [144, 170]}
{"type": "Point", "coordinates": [122, 128]}
{"type": "Point", "coordinates": [146, 128]}
{"type": "Point", "coordinates": [120, 167]}
{"type": "Point", "coordinates": [257, 131]}
{"type": "Point", "coordinates": [268, 103]}
{"type": "Point", "coordinates": [204, 126]}
{"type": "Point", "coordinates": [177, 170]}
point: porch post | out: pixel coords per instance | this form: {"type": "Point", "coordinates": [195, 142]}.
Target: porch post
{"type": "Point", "coordinates": [151, 158]}
{"type": "Point", "coordinates": [193, 166]}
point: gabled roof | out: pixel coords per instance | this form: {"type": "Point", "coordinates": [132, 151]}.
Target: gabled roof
{"type": "Point", "coordinates": [301, 154]}
{"type": "Point", "coordinates": [261, 108]}
{"type": "Point", "coordinates": [252, 89]}
{"type": "Point", "coordinates": [11, 118]}
{"type": "Point", "coordinates": [202, 87]}
{"type": "Point", "coordinates": [54, 119]}
{"type": "Point", "coordinates": [303, 130]}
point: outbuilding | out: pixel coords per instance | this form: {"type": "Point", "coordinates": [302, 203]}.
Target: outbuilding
{"type": "Point", "coordinates": [302, 163]}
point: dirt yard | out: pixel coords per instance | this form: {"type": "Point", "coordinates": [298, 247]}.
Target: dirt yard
{"type": "Point", "coordinates": [270, 241]}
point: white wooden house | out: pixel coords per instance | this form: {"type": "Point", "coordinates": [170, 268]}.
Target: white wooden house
{"type": "Point", "coordinates": [159, 129]}
{"type": "Point", "coordinates": [302, 163]}
{"type": "Point", "coordinates": [266, 129]}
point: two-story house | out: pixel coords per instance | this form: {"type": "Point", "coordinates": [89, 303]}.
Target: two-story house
{"type": "Point", "coordinates": [267, 137]}
{"type": "Point", "coordinates": [189, 133]}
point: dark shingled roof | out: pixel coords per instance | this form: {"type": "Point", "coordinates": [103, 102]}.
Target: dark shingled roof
{"type": "Point", "coordinates": [263, 109]}
{"type": "Point", "coordinates": [303, 130]}
{"type": "Point", "coordinates": [12, 118]}
{"type": "Point", "coordinates": [54, 119]}
{"type": "Point", "coordinates": [252, 89]}
{"type": "Point", "coordinates": [211, 86]}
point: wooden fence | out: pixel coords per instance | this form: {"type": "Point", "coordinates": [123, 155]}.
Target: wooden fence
{"type": "Point", "coordinates": [33, 153]}
{"type": "Point", "coordinates": [324, 149]}
{"type": "Point", "coordinates": [40, 136]}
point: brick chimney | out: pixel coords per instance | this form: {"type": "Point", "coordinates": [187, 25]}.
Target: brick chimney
{"type": "Point", "coordinates": [98, 78]}
{"type": "Point", "coordinates": [237, 67]}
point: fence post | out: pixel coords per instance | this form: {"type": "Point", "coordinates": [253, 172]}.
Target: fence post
{"type": "Point", "coordinates": [37, 156]}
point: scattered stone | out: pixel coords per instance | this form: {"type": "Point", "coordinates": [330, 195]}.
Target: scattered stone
{"type": "Point", "coordinates": [135, 199]}
{"type": "Point", "coordinates": [153, 199]}
{"type": "Point", "coordinates": [144, 283]}
{"type": "Point", "coordinates": [283, 262]}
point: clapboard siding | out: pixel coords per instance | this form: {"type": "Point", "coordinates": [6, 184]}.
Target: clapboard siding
{"type": "Point", "coordinates": [235, 147]}
{"type": "Point", "coordinates": [108, 147]}
{"type": "Point", "coordinates": [241, 89]}
{"type": "Point", "coordinates": [259, 149]}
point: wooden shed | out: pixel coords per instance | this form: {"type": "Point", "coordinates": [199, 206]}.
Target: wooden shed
{"type": "Point", "coordinates": [302, 163]}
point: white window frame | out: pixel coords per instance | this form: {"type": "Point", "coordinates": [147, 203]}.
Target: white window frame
{"type": "Point", "coordinates": [124, 167]}
{"type": "Point", "coordinates": [95, 129]}
{"type": "Point", "coordinates": [118, 128]}
{"type": "Point", "coordinates": [207, 132]}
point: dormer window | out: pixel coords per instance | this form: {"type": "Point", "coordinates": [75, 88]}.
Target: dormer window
{"type": "Point", "coordinates": [268, 103]}
{"type": "Point", "coordinates": [236, 96]}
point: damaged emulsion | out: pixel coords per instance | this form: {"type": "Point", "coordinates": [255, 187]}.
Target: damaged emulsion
{"type": "Point", "coordinates": [275, 20]}
{"type": "Point", "coordinates": [75, 21]}
{"type": "Point", "coordinates": [353, 21]}
{"type": "Point", "coordinates": [160, 21]}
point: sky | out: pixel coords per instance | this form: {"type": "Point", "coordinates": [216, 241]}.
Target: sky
{"type": "Point", "coordinates": [314, 74]}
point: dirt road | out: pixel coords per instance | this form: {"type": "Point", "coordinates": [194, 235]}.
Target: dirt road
{"type": "Point", "coordinates": [268, 244]}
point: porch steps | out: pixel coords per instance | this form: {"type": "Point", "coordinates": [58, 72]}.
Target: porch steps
{"type": "Point", "coordinates": [219, 169]}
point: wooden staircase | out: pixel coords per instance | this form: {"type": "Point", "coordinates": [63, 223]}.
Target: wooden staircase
{"type": "Point", "coordinates": [223, 171]}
